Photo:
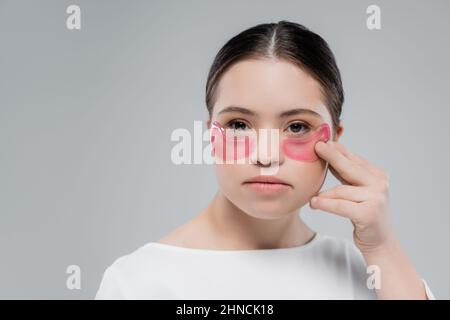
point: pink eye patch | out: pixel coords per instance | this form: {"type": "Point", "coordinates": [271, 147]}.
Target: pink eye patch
{"type": "Point", "coordinates": [230, 147]}
{"type": "Point", "coordinates": [302, 148]}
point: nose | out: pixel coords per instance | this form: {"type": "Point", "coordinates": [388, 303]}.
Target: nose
{"type": "Point", "coordinates": [268, 148]}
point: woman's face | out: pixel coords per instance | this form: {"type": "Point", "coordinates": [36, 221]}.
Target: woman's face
{"type": "Point", "coordinates": [267, 89]}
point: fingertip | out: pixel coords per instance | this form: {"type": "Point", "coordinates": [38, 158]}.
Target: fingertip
{"type": "Point", "coordinates": [320, 145]}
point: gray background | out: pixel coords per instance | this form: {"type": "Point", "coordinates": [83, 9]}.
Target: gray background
{"type": "Point", "coordinates": [86, 118]}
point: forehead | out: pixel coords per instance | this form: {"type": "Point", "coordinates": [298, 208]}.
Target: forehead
{"type": "Point", "coordinates": [269, 87]}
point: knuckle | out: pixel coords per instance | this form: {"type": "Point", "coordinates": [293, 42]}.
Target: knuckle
{"type": "Point", "coordinates": [384, 183]}
{"type": "Point", "coordinates": [379, 200]}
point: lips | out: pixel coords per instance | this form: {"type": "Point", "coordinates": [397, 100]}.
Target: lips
{"type": "Point", "coordinates": [266, 179]}
{"type": "Point", "coordinates": [267, 185]}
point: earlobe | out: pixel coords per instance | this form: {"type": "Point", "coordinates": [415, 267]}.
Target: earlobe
{"type": "Point", "coordinates": [339, 132]}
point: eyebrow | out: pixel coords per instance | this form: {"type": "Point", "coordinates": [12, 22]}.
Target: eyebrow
{"type": "Point", "coordinates": [284, 114]}
{"type": "Point", "coordinates": [238, 109]}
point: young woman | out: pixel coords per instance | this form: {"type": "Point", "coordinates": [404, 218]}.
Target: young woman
{"type": "Point", "coordinates": [250, 241]}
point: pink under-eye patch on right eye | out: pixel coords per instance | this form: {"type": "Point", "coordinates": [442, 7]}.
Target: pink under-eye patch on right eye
{"type": "Point", "coordinates": [230, 147]}
{"type": "Point", "coordinates": [302, 148]}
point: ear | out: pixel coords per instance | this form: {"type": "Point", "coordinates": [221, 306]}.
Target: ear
{"type": "Point", "coordinates": [208, 123]}
{"type": "Point", "coordinates": [339, 131]}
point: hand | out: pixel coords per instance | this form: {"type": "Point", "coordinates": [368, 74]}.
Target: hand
{"type": "Point", "coordinates": [363, 196]}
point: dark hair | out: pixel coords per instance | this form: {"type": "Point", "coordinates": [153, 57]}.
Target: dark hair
{"type": "Point", "coordinates": [284, 40]}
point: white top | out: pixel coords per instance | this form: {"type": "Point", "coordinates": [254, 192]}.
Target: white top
{"type": "Point", "coordinates": [324, 268]}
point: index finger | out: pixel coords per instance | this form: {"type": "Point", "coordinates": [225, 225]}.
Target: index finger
{"type": "Point", "coordinates": [348, 169]}
{"type": "Point", "coordinates": [358, 159]}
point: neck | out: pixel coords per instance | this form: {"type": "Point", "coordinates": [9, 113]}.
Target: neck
{"type": "Point", "coordinates": [236, 229]}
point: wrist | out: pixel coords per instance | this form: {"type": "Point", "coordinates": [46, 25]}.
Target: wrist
{"type": "Point", "coordinates": [390, 246]}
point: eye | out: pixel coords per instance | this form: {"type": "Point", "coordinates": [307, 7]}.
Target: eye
{"type": "Point", "coordinates": [299, 128]}
{"type": "Point", "coordinates": [237, 125]}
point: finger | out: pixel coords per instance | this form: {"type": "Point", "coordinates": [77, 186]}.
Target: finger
{"type": "Point", "coordinates": [343, 208]}
{"type": "Point", "coordinates": [344, 150]}
{"type": "Point", "coordinates": [380, 184]}
{"type": "Point", "coordinates": [350, 193]}
{"type": "Point", "coordinates": [360, 160]}
{"type": "Point", "coordinates": [349, 170]}
{"type": "Point", "coordinates": [338, 176]}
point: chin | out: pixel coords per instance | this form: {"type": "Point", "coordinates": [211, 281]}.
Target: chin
{"type": "Point", "coordinates": [269, 210]}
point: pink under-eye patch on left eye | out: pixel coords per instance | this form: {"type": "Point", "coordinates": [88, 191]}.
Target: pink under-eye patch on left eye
{"type": "Point", "coordinates": [229, 147]}
{"type": "Point", "coordinates": [302, 148]}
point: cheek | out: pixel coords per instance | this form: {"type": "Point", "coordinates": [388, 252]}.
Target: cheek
{"type": "Point", "coordinates": [229, 176]}
{"type": "Point", "coordinates": [231, 148]}
{"type": "Point", "coordinates": [309, 178]}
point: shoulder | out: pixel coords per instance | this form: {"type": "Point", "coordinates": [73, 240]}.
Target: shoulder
{"type": "Point", "coordinates": [139, 258]}
{"type": "Point", "coordinates": [141, 265]}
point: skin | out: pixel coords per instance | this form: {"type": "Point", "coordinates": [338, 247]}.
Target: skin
{"type": "Point", "coordinates": [238, 218]}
